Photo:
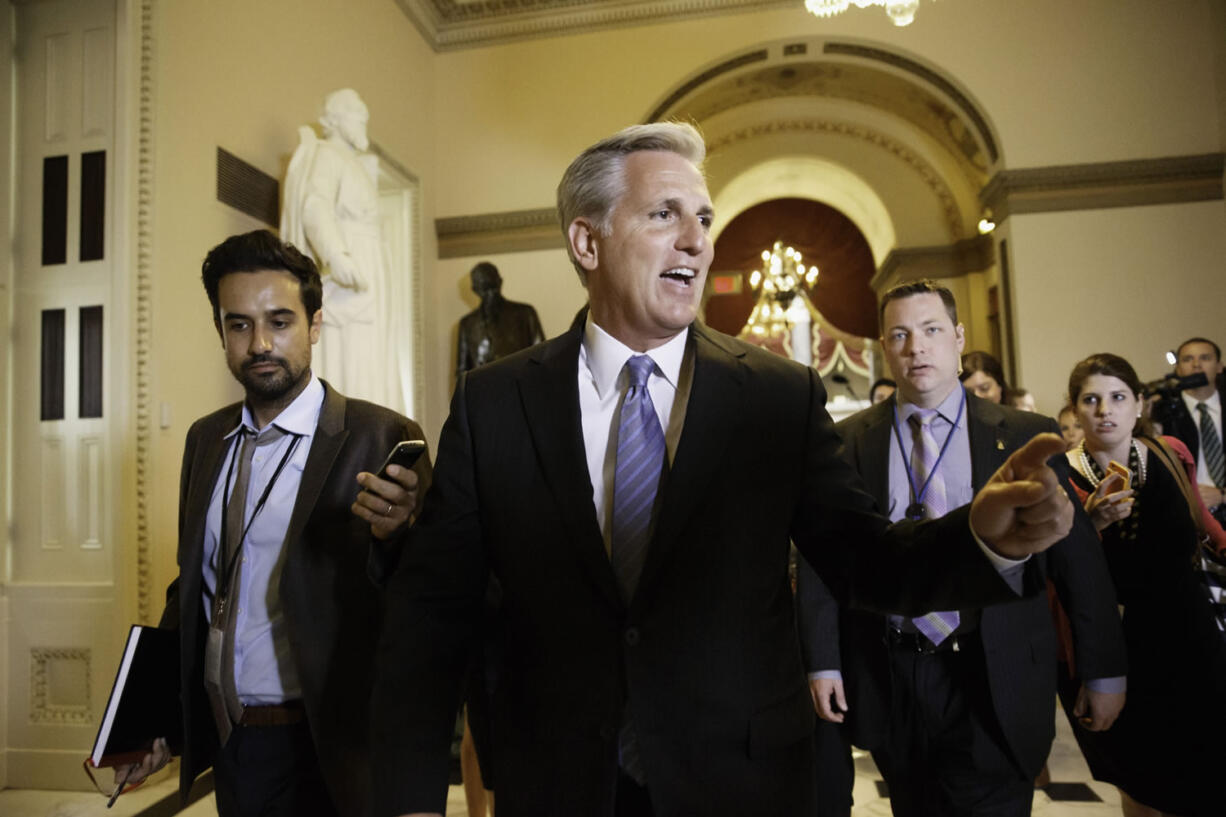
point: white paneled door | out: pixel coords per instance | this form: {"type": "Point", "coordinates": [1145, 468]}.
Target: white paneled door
{"type": "Point", "coordinates": [61, 554]}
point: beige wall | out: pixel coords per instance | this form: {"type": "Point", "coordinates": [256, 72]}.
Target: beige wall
{"type": "Point", "coordinates": [244, 76]}
{"type": "Point", "coordinates": [1111, 79]}
{"type": "Point", "coordinates": [1135, 281]}
{"type": "Point", "coordinates": [6, 277]}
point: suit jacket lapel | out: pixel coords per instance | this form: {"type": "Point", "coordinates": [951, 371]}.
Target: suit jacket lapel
{"type": "Point", "coordinates": [549, 392]}
{"type": "Point", "coordinates": [986, 431]}
{"type": "Point", "coordinates": [209, 457]}
{"type": "Point", "coordinates": [330, 435]}
{"type": "Point", "coordinates": [873, 452]}
{"type": "Point", "coordinates": [711, 414]}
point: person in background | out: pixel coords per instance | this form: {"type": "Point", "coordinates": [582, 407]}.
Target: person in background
{"type": "Point", "coordinates": [1070, 426]}
{"type": "Point", "coordinates": [1021, 399]}
{"type": "Point", "coordinates": [955, 706]}
{"type": "Point", "coordinates": [1195, 417]}
{"type": "Point", "coordinates": [881, 389]}
{"type": "Point", "coordinates": [983, 376]}
{"type": "Point", "coordinates": [1166, 752]}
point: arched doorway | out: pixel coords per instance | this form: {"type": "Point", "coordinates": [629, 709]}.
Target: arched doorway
{"type": "Point", "coordinates": [887, 140]}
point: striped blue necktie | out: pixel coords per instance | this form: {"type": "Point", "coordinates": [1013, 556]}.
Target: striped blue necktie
{"type": "Point", "coordinates": [640, 461]}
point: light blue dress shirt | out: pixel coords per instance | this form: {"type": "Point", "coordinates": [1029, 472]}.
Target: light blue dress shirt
{"type": "Point", "coordinates": [264, 668]}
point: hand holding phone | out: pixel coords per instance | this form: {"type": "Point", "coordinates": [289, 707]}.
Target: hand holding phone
{"type": "Point", "coordinates": [388, 502]}
{"type": "Point", "coordinates": [405, 454]}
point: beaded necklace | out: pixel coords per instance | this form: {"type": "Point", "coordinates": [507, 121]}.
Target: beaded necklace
{"type": "Point", "coordinates": [1090, 469]}
{"type": "Point", "coordinates": [1094, 475]}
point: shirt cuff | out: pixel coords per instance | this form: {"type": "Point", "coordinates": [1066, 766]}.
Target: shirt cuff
{"type": "Point", "coordinates": [1009, 569]}
{"type": "Point", "coordinates": [1115, 685]}
{"type": "Point", "coordinates": [826, 674]}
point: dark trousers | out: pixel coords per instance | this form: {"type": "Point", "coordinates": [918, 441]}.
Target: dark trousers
{"type": "Point", "coordinates": [270, 771]}
{"type": "Point", "coordinates": [631, 799]}
{"type": "Point", "coordinates": [944, 753]}
{"type": "Point", "coordinates": [836, 773]}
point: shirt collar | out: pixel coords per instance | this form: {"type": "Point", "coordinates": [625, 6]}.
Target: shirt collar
{"type": "Point", "coordinates": [299, 417]}
{"type": "Point", "coordinates": [606, 356]}
{"type": "Point", "coordinates": [1213, 401]}
{"type": "Point", "coordinates": [948, 408]}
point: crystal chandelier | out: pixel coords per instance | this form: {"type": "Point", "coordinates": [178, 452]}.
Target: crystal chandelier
{"type": "Point", "coordinates": [783, 273]}
{"type": "Point", "coordinates": [783, 318]}
{"type": "Point", "coordinates": [901, 12]}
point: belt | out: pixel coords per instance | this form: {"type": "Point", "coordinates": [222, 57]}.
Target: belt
{"type": "Point", "coordinates": [286, 714]}
{"type": "Point", "coordinates": [918, 642]}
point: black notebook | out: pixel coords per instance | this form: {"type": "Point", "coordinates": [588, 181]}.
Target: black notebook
{"type": "Point", "coordinates": [144, 702]}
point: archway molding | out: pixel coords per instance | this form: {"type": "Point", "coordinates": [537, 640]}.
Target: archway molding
{"type": "Point", "coordinates": [813, 178]}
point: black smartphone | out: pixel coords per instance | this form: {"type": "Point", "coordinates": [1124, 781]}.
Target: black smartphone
{"type": "Point", "coordinates": [404, 454]}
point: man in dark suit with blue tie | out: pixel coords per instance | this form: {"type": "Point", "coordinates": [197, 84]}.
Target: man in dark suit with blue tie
{"type": "Point", "coordinates": [956, 705]}
{"type": "Point", "coordinates": [634, 485]}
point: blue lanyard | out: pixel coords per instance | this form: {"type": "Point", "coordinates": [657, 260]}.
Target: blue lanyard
{"type": "Point", "coordinates": [915, 511]}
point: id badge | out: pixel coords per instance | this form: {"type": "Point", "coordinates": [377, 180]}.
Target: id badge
{"type": "Point", "coordinates": [212, 654]}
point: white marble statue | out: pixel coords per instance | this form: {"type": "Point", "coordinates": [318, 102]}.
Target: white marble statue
{"type": "Point", "coordinates": [331, 212]}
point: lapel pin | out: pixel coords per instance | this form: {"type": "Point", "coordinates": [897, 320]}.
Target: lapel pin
{"type": "Point", "coordinates": [1000, 444]}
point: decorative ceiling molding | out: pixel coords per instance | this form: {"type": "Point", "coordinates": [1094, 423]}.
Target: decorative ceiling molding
{"type": "Point", "coordinates": [703, 78]}
{"type": "Point", "coordinates": [843, 72]}
{"type": "Point", "coordinates": [526, 230]}
{"type": "Point", "coordinates": [927, 173]}
{"type": "Point", "coordinates": [928, 75]}
{"type": "Point", "coordinates": [951, 261]}
{"type": "Point", "coordinates": [448, 25]}
{"type": "Point", "coordinates": [497, 233]}
{"type": "Point", "coordinates": [1099, 185]}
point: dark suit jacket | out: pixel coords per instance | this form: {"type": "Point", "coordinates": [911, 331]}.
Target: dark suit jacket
{"type": "Point", "coordinates": [1018, 637]}
{"type": "Point", "coordinates": [334, 617]}
{"type": "Point", "coordinates": [705, 653]}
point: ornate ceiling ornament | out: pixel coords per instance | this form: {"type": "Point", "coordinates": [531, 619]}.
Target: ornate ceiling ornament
{"type": "Point", "coordinates": [931, 178]}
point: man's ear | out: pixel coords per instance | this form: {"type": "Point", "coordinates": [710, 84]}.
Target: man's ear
{"type": "Point", "coordinates": [317, 322]}
{"type": "Point", "coordinates": [960, 334]}
{"type": "Point", "coordinates": [584, 240]}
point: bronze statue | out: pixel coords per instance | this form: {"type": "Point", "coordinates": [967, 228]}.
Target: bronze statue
{"type": "Point", "coordinates": [497, 327]}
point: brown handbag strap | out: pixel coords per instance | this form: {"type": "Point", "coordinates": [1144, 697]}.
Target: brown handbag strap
{"type": "Point", "coordinates": [1166, 455]}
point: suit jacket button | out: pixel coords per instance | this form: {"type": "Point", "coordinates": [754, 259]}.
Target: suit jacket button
{"type": "Point", "coordinates": [631, 636]}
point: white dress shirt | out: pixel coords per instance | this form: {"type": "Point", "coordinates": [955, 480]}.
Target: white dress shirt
{"type": "Point", "coordinates": [602, 387]}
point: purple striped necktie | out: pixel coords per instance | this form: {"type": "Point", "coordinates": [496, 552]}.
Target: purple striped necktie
{"type": "Point", "coordinates": [937, 625]}
{"type": "Point", "coordinates": [640, 461]}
